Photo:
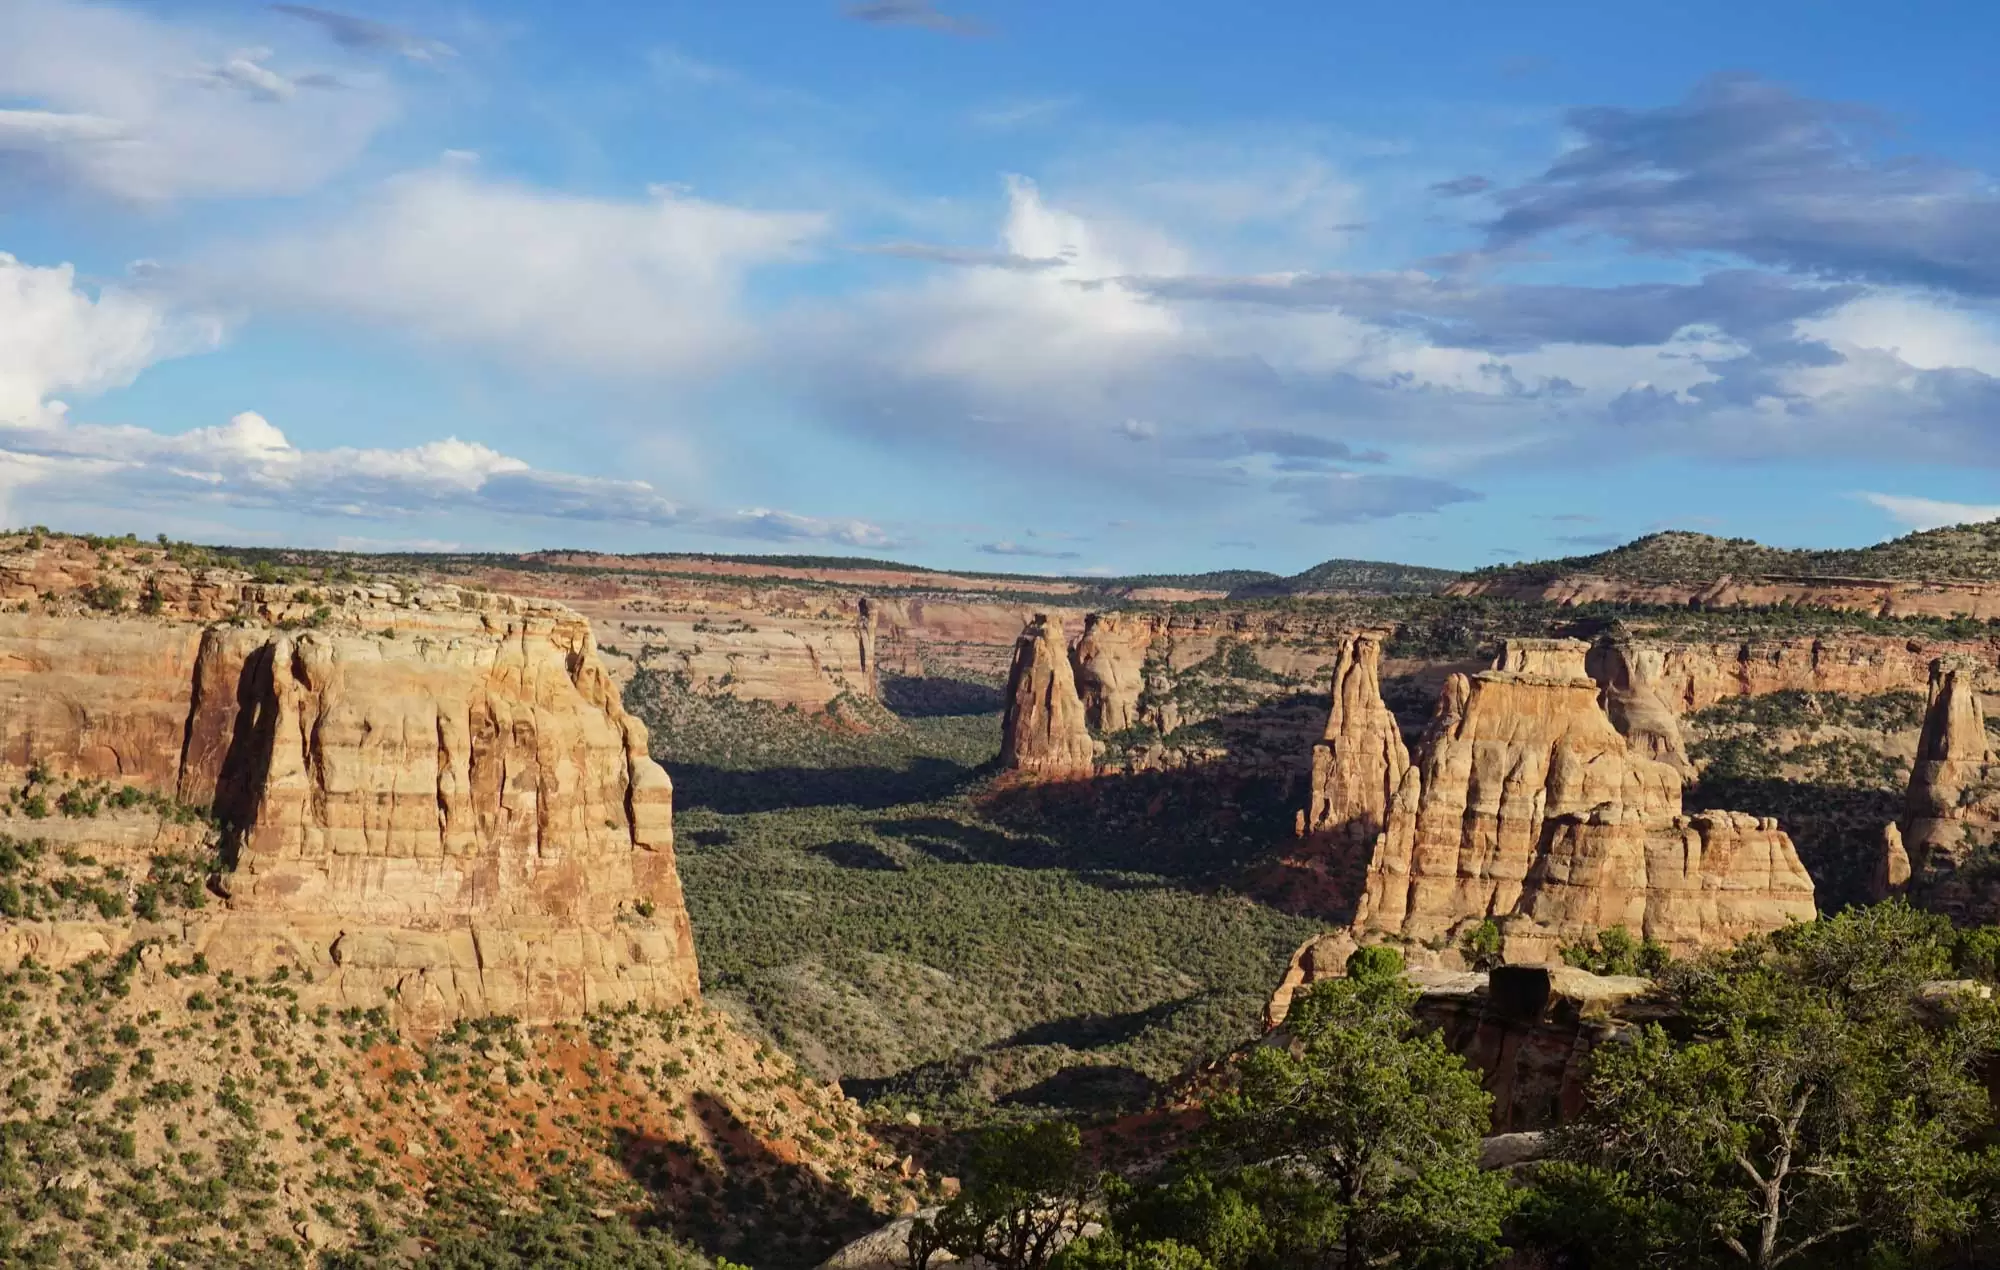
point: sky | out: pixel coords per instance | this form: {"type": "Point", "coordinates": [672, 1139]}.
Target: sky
{"type": "Point", "coordinates": [1002, 284]}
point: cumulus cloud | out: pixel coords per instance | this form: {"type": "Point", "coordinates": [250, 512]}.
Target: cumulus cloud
{"type": "Point", "coordinates": [1930, 513]}
{"type": "Point", "coordinates": [634, 287]}
{"type": "Point", "coordinates": [57, 338]}
{"type": "Point", "coordinates": [115, 102]}
{"type": "Point", "coordinates": [250, 463]}
{"type": "Point", "coordinates": [1747, 167]}
{"type": "Point", "coordinates": [61, 338]}
{"type": "Point", "coordinates": [917, 13]}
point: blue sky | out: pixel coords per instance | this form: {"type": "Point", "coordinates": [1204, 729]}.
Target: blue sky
{"type": "Point", "coordinates": [1065, 288]}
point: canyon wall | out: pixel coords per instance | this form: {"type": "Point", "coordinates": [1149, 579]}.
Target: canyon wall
{"type": "Point", "coordinates": [1526, 804]}
{"type": "Point", "coordinates": [430, 796]}
{"type": "Point", "coordinates": [1876, 597]}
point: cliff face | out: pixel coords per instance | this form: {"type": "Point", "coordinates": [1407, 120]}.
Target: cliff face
{"type": "Point", "coordinates": [1951, 814]}
{"type": "Point", "coordinates": [1689, 676]}
{"type": "Point", "coordinates": [1527, 805]}
{"type": "Point", "coordinates": [1110, 663]}
{"type": "Point", "coordinates": [1877, 597]}
{"type": "Point", "coordinates": [1360, 763]}
{"type": "Point", "coordinates": [431, 794]}
{"type": "Point", "coordinates": [1043, 733]}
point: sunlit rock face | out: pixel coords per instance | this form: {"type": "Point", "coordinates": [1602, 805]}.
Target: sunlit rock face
{"type": "Point", "coordinates": [426, 798]}
{"type": "Point", "coordinates": [1526, 804]}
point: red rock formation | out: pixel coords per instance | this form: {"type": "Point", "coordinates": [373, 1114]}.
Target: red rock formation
{"type": "Point", "coordinates": [1951, 814]}
{"type": "Point", "coordinates": [1110, 664]}
{"type": "Point", "coordinates": [1878, 597]}
{"type": "Point", "coordinates": [1359, 764]}
{"type": "Point", "coordinates": [1043, 734]}
{"type": "Point", "coordinates": [1629, 673]}
{"type": "Point", "coordinates": [433, 795]}
{"type": "Point", "coordinates": [1690, 676]}
{"type": "Point", "coordinates": [1527, 805]}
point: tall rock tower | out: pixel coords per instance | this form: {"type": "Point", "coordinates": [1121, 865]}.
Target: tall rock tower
{"type": "Point", "coordinates": [1043, 733]}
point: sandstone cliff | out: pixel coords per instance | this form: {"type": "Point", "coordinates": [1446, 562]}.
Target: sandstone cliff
{"type": "Point", "coordinates": [1043, 733]}
{"type": "Point", "coordinates": [1876, 597]}
{"type": "Point", "coordinates": [433, 795]}
{"type": "Point", "coordinates": [1110, 664]}
{"type": "Point", "coordinates": [1951, 815]}
{"type": "Point", "coordinates": [1526, 804]}
{"type": "Point", "coordinates": [1360, 763]}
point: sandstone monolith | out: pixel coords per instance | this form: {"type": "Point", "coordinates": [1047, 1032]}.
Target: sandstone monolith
{"type": "Point", "coordinates": [1043, 732]}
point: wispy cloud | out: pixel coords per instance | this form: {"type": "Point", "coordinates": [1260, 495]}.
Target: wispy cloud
{"type": "Point", "coordinates": [970, 257]}
{"type": "Point", "coordinates": [110, 101]}
{"type": "Point", "coordinates": [1746, 166]}
{"type": "Point", "coordinates": [1930, 513]}
{"type": "Point", "coordinates": [1008, 547]}
{"type": "Point", "coordinates": [364, 35]}
{"type": "Point", "coordinates": [917, 13]}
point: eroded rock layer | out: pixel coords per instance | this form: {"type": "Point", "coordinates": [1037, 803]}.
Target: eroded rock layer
{"type": "Point", "coordinates": [1526, 804]}
{"type": "Point", "coordinates": [431, 797]}
{"type": "Point", "coordinates": [1950, 828]}
{"type": "Point", "coordinates": [1360, 762]}
{"type": "Point", "coordinates": [1043, 733]}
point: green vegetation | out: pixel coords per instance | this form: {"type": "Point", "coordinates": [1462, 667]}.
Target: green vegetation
{"type": "Point", "coordinates": [890, 919]}
{"type": "Point", "coordinates": [1957, 553]}
{"type": "Point", "coordinates": [1825, 764]}
{"type": "Point", "coordinates": [1817, 1100]}
{"type": "Point", "coordinates": [1819, 1106]}
{"type": "Point", "coordinates": [1616, 952]}
{"type": "Point", "coordinates": [1358, 1145]}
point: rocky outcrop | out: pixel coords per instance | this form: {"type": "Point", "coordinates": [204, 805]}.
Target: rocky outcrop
{"type": "Point", "coordinates": [1688, 676]}
{"type": "Point", "coordinates": [1629, 674]}
{"type": "Point", "coordinates": [431, 796]}
{"type": "Point", "coordinates": [1877, 597]}
{"type": "Point", "coordinates": [1043, 734]}
{"type": "Point", "coordinates": [1110, 664]}
{"type": "Point", "coordinates": [1951, 813]}
{"type": "Point", "coordinates": [1525, 804]}
{"type": "Point", "coordinates": [1529, 1031]}
{"type": "Point", "coordinates": [1360, 763]}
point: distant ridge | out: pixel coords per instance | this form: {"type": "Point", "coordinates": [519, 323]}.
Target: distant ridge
{"type": "Point", "coordinates": [1958, 553]}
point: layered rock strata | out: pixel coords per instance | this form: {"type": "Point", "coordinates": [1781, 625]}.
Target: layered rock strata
{"type": "Point", "coordinates": [1043, 733]}
{"type": "Point", "coordinates": [1525, 804]}
{"type": "Point", "coordinates": [1360, 762]}
{"type": "Point", "coordinates": [1876, 597]}
{"type": "Point", "coordinates": [431, 798]}
{"type": "Point", "coordinates": [1951, 816]}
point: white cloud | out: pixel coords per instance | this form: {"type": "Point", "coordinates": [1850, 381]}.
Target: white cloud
{"type": "Point", "coordinates": [124, 104]}
{"type": "Point", "coordinates": [56, 338]}
{"type": "Point", "coordinates": [1930, 513]}
{"type": "Point", "coordinates": [250, 463]}
{"type": "Point", "coordinates": [643, 286]}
